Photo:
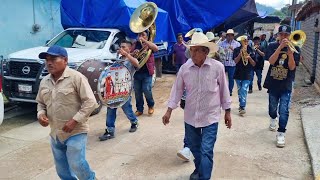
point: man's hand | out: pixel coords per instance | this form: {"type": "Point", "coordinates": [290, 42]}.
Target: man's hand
{"type": "Point", "coordinates": [166, 117]}
{"type": "Point", "coordinates": [227, 119]}
{"type": "Point", "coordinates": [290, 52]}
{"type": "Point", "coordinates": [284, 43]}
{"type": "Point", "coordinates": [122, 52]}
{"type": "Point", "coordinates": [43, 120]}
{"type": "Point", "coordinates": [69, 126]}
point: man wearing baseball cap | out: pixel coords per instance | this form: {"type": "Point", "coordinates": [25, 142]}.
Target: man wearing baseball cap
{"type": "Point", "coordinates": [65, 101]}
{"type": "Point", "coordinates": [283, 61]}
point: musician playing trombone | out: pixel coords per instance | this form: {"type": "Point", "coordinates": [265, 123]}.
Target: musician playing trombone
{"type": "Point", "coordinates": [245, 61]}
{"type": "Point", "coordinates": [283, 61]}
{"type": "Point", "coordinates": [258, 68]}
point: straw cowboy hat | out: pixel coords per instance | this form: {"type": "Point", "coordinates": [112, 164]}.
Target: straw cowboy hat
{"type": "Point", "coordinates": [211, 36]}
{"type": "Point", "coordinates": [231, 31]}
{"type": "Point", "coordinates": [192, 31]}
{"type": "Point", "coordinates": [200, 39]}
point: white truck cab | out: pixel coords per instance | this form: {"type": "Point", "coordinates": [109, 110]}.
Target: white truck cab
{"type": "Point", "coordinates": [23, 70]}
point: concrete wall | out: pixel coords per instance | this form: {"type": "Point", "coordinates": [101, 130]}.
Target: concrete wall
{"type": "Point", "coordinates": [308, 49]}
{"type": "Point", "coordinates": [17, 18]}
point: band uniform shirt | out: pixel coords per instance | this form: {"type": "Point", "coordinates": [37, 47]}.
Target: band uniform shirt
{"type": "Point", "coordinates": [243, 72]}
{"type": "Point", "coordinates": [71, 97]}
{"type": "Point", "coordinates": [148, 67]}
{"type": "Point", "coordinates": [259, 59]}
{"type": "Point", "coordinates": [279, 77]}
{"type": "Point", "coordinates": [207, 92]}
{"type": "Point", "coordinates": [228, 59]}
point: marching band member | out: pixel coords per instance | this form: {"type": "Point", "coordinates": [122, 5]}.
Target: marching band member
{"type": "Point", "coordinates": [258, 68]}
{"type": "Point", "coordinates": [244, 59]}
{"type": "Point", "coordinates": [143, 76]}
{"type": "Point", "coordinates": [130, 63]}
{"type": "Point", "coordinates": [279, 81]}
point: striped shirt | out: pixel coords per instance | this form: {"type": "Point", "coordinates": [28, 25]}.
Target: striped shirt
{"type": "Point", "coordinates": [207, 92]}
{"type": "Point", "coordinates": [227, 59]}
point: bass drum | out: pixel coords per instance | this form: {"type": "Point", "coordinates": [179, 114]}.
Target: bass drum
{"type": "Point", "coordinates": [115, 85]}
{"type": "Point", "coordinates": [92, 69]}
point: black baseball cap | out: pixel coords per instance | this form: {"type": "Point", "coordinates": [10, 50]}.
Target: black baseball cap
{"type": "Point", "coordinates": [54, 51]}
{"type": "Point", "coordinates": [284, 29]}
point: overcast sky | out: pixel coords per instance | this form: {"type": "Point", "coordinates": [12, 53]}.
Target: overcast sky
{"type": "Point", "coordinates": [277, 4]}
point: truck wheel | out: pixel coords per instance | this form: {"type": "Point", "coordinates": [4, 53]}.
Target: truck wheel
{"type": "Point", "coordinates": [97, 110]}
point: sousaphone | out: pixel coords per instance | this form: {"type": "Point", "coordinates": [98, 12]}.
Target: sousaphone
{"type": "Point", "coordinates": [141, 20]}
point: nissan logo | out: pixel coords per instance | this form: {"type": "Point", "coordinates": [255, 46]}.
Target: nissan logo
{"type": "Point", "coordinates": [26, 70]}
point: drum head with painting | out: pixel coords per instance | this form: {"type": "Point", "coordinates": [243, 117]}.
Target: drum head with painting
{"type": "Point", "coordinates": [115, 85]}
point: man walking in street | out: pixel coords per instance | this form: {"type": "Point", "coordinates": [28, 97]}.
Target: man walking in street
{"type": "Point", "coordinates": [263, 41]}
{"type": "Point", "coordinates": [207, 92]}
{"type": "Point", "coordinates": [279, 81]}
{"type": "Point", "coordinates": [230, 66]}
{"type": "Point", "coordinates": [178, 56]}
{"type": "Point", "coordinates": [130, 63]}
{"type": "Point", "coordinates": [143, 77]}
{"type": "Point", "coordinates": [65, 102]}
{"type": "Point", "coordinates": [244, 58]}
{"type": "Point", "coordinates": [258, 68]}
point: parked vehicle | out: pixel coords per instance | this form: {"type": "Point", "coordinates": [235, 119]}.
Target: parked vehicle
{"type": "Point", "coordinates": [23, 70]}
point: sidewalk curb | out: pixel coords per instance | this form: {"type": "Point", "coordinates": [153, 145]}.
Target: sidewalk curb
{"type": "Point", "coordinates": [310, 126]}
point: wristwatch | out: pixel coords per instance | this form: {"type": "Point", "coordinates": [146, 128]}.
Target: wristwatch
{"type": "Point", "coordinates": [228, 110]}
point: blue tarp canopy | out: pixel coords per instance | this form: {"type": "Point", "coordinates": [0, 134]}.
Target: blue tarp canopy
{"type": "Point", "coordinates": [246, 13]}
{"type": "Point", "coordinates": [174, 16]}
{"type": "Point", "coordinates": [111, 14]}
{"type": "Point", "coordinates": [207, 14]}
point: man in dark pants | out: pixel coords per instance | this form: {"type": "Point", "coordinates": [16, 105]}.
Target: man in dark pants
{"type": "Point", "coordinates": [143, 77]}
{"type": "Point", "coordinates": [279, 81]}
{"type": "Point", "coordinates": [207, 93]}
{"type": "Point", "coordinates": [258, 68]}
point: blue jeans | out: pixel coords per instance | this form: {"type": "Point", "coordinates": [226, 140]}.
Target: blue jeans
{"type": "Point", "coordinates": [259, 76]}
{"type": "Point", "coordinates": [143, 85]}
{"type": "Point", "coordinates": [70, 158]}
{"type": "Point", "coordinates": [230, 71]}
{"type": "Point", "coordinates": [243, 86]}
{"type": "Point", "coordinates": [283, 98]}
{"type": "Point", "coordinates": [112, 115]}
{"type": "Point", "coordinates": [201, 142]}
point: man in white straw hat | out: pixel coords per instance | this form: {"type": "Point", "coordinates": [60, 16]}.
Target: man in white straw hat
{"type": "Point", "coordinates": [207, 92]}
{"type": "Point", "coordinates": [230, 66]}
{"type": "Point", "coordinates": [212, 38]}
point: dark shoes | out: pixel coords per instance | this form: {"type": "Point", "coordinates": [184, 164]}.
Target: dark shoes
{"type": "Point", "coordinates": [250, 91]}
{"type": "Point", "coordinates": [134, 127]}
{"type": "Point", "coordinates": [242, 111]}
{"type": "Point", "coordinates": [260, 88]}
{"type": "Point", "coordinates": [182, 103]}
{"type": "Point", "coordinates": [107, 135]}
{"type": "Point", "coordinates": [194, 175]}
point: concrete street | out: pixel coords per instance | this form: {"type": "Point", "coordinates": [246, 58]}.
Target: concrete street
{"type": "Point", "coordinates": [247, 151]}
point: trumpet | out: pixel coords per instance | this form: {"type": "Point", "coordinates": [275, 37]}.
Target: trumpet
{"type": "Point", "coordinates": [297, 38]}
{"type": "Point", "coordinates": [255, 47]}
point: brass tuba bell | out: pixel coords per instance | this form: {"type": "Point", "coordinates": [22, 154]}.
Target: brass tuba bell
{"type": "Point", "coordinates": [143, 19]}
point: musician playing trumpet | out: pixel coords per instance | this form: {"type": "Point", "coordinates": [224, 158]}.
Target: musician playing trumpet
{"type": "Point", "coordinates": [279, 81]}
{"type": "Point", "coordinates": [258, 68]}
{"type": "Point", "coordinates": [244, 59]}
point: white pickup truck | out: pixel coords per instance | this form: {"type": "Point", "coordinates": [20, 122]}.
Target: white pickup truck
{"type": "Point", "coordinates": [23, 70]}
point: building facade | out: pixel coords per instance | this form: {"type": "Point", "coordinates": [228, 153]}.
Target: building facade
{"type": "Point", "coordinates": [309, 15]}
{"type": "Point", "coordinates": [27, 23]}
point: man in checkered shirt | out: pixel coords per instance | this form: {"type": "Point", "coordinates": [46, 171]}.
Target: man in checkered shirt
{"type": "Point", "coordinates": [229, 44]}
